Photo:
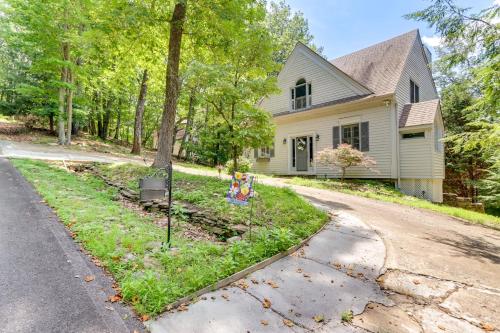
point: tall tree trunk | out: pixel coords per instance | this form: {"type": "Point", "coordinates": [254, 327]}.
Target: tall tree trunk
{"type": "Point", "coordinates": [165, 144]}
{"type": "Point", "coordinates": [69, 107]}
{"type": "Point", "coordinates": [51, 123]}
{"type": "Point", "coordinates": [234, 147]}
{"type": "Point", "coordinates": [118, 123]}
{"type": "Point", "coordinates": [106, 118]}
{"type": "Point", "coordinates": [60, 116]}
{"type": "Point", "coordinates": [139, 114]}
{"type": "Point", "coordinates": [189, 123]}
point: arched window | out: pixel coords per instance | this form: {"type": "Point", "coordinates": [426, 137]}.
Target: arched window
{"type": "Point", "coordinates": [301, 95]}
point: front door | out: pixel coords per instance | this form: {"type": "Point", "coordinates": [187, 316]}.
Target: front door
{"type": "Point", "coordinates": [301, 153]}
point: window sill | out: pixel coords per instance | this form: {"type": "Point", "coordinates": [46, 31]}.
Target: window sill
{"type": "Point", "coordinates": [263, 159]}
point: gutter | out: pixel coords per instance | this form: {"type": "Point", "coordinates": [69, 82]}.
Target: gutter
{"type": "Point", "coordinates": [398, 158]}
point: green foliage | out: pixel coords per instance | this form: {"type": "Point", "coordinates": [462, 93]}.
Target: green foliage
{"type": "Point", "coordinates": [490, 188]}
{"type": "Point", "coordinates": [244, 165]}
{"type": "Point", "coordinates": [127, 243]}
{"type": "Point", "coordinates": [347, 316]}
{"type": "Point", "coordinates": [286, 29]}
{"type": "Point", "coordinates": [469, 76]}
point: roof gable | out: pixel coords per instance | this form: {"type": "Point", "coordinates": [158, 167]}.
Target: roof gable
{"type": "Point", "coordinates": [333, 70]}
{"type": "Point", "coordinates": [327, 81]}
{"type": "Point", "coordinates": [378, 67]}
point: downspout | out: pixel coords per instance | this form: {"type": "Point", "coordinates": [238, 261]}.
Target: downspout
{"type": "Point", "coordinates": [387, 103]}
{"type": "Point", "coordinates": [398, 160]}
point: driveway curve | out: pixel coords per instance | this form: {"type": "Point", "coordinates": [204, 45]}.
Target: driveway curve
{"type": "Point", "coordinates": [440, 274]}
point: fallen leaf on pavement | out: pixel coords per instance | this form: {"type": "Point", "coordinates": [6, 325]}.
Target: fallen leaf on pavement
{"type": "Point", "coordinates": [97, 262]}
{"type": "Point", "coordinates": [242, 284]}
{"type": "Point", "coordinates": [299, 270]}
{"type": "Point", "coordinates": [225, 296]}
{"type": "Point", "coordinates": [272, 283]}
{"type": "Point", "coordinates": [114, 298]}
{"type": "Point", "coordinates": [266, 304]}
{"type": "Point", "coordinates": [144, 317]}
{"type": "Point", "coordinates": [264, 322]}
{"type": "Point", "coordinates": [89, 278]}
{"type": "Point", "coordinates": [416, 281]}
{"type": "Point", "coordinates": [487, 327]}
{"type": "Point", "coordinates": [442, 328]}
{"type": "Point", "coordinates": [254, 281]}
{"type": "Point", "coordinates": [183, 307]}
{"type": "Point", "coordinates": [287, 322]}
{"type": "Point", "coordinates": [319, 318]}
{"type": "Point", "coordinates": [306, 275]}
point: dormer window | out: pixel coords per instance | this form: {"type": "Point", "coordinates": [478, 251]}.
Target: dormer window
{"type": "Point", "coordinates": [301, 95]}
{"type": "Point", "coordinates": [414, 92]}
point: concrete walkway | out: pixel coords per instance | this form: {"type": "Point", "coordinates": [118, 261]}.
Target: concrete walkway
{"type": "Point", "coordinates": [440, 273]}
{"type": "Point", "coordinates": [42, 271]}
{"type": "Point", "coordinates": [307, 291]}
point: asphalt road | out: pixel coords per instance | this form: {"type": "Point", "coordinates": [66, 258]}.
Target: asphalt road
{"type": "Point", "coordinates": [42, 271]}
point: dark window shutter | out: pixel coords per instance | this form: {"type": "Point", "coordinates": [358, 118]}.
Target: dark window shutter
{"type": "Point", "coordinates": [255, 153]}
{"type": "Point", "coordinates": [272, 150]}
{"type": "Point", "coordinates": [365, 136]}
{"type": "Point", "coordinates": [417, 94]}
{"type": "Point", "coordinates": [336, 136]}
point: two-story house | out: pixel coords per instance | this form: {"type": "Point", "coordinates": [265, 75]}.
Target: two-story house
{"type": "Point", "coordinates": [382, 100]}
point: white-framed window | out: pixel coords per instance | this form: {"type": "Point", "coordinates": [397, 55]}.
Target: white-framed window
{"type": "Point", "coordinates": [414, 92]}
{"type": "Point", "coordinates": [413, 135]}
{"type": "Point", "coordinates": [301, 95]}
{"type": "Point", "coordinates": [350, 135]}
{"type": "Point", "coordinates": [264, 152]}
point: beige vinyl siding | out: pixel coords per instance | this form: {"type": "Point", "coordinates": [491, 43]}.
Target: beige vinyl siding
{"type": "Point", "coordinates": [379, 136]}
{"type": "Point", "coordinates": [437, 156]}
{"type": "Point", "coordinates": [327, 83]}
{"type": "Point", "coordinates": [416, 69]}
{"type": "Point", "coordinates": [416, 155]}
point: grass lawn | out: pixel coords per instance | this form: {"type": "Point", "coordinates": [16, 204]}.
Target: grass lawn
{"type": "Point", "coordinates": [386, 192]}
{"type": "Point", "coordinates": [127, 243]}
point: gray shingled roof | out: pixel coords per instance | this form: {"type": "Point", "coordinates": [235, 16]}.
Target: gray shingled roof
{"type": "Point", "coordinates": [416, 114]}
{"type": "Point", "coordinates": [379, 66]}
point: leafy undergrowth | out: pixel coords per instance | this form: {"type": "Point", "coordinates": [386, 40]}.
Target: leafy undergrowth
{"type": "Point", "coordinates": [386, 192]}
{"type": "Point", "coordinates": [127, 243]}
{"type": "Point", "coordinates": [278, 207]}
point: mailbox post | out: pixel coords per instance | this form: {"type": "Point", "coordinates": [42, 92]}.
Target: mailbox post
{"type": "Point", "coordinates": [157, 187]}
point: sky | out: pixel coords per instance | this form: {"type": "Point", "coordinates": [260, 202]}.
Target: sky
{"type": "Point", "coordinates": [344, 26]}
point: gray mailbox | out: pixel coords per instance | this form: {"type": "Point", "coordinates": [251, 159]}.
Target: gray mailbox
{"type": "Point", "coordinates": [153, 188]}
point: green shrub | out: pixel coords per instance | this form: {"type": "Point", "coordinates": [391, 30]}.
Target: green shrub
{"type": "Point", "coordinates": [244, 165]}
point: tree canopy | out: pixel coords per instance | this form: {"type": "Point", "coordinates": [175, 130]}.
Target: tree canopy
{"type": "Point", "coordinates": [100, 66]}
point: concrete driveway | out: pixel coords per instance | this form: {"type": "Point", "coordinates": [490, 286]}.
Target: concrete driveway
{"type": "Point", "coordinates": [440, 274]}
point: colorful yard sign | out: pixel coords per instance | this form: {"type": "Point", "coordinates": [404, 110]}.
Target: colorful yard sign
{"type": "Point", "coordinates": [240, 189]}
